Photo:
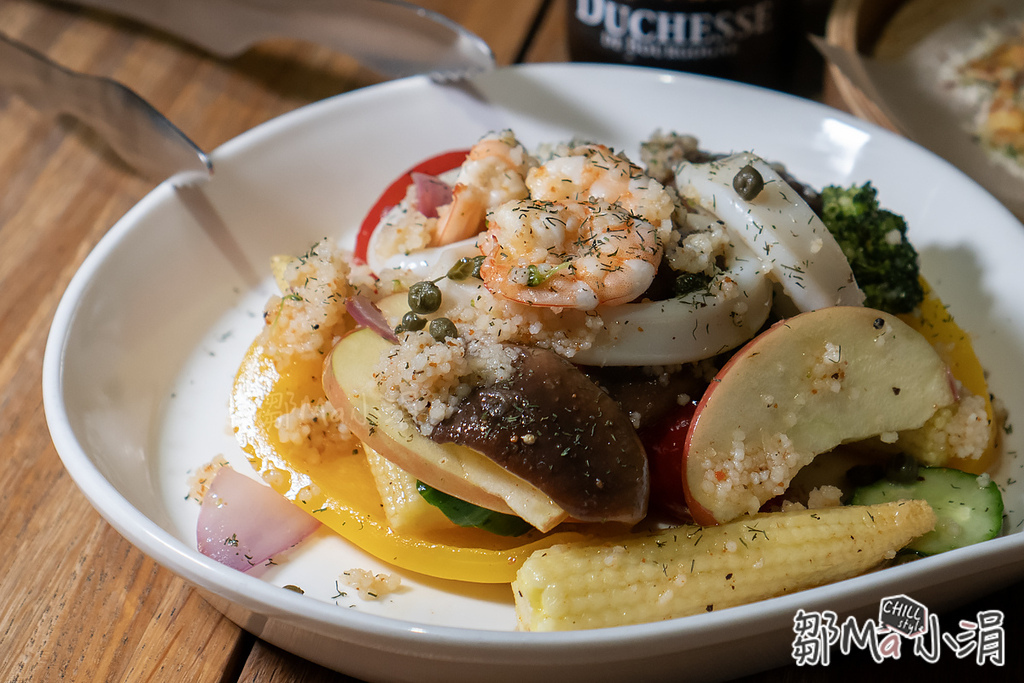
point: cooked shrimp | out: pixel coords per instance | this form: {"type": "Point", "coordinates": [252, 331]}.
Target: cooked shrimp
{"type": "Point", "coordinates": [494, 172]}
{"type": "Point", "coordinates": [569, 254]}
{"type": "Point", "coordinates": [596, 173]}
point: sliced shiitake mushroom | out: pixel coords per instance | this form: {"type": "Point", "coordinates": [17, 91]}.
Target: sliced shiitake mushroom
{"type": "Point", "coordinates": [550, 425]}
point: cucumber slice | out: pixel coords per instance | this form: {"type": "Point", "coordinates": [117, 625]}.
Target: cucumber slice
{"type": "Point", "coordinates": [968, 510]}
{"type": "Point", "coordinates": [467, 514]}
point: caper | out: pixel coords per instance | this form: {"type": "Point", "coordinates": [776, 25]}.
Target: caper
{"type": "Point", "coordinates": [461, 269]}
{"type": "Point", "coordinates": [465, 267]}
{"type": "Point", "coordinates": [424, 297]}
{"type": "Point", "coordinates": [901, 468]}
{"type": "Point", "coordinates": [477, 262]}
{"type": "Point", "coordinates": [442, 328]}
{"type": "Point", "coordinates": [412, 322]}
{"type": "Point", "coordinates": [748, 182]}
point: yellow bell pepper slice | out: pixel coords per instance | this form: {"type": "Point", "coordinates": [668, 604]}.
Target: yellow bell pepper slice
{"type": "Point", "coordinates": [953, 344]}
{"type": "Point", "coordinates": [338, 488]}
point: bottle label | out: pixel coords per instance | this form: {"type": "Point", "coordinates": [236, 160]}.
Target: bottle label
{"type": "Point", "coordinates": [731, 38]}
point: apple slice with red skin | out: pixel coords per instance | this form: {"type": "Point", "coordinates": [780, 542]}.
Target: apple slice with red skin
{"type": "Point", "coordinates": [801, 388]}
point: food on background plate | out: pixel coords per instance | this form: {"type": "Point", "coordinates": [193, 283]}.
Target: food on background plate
{"type": "Point", "coordinates": [994, 73]}
{"type": "Point", "coordinates": [558, 353]}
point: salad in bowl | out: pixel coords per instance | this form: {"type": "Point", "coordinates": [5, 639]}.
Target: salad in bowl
{"type": "Point", "coordinates": [632, 390]}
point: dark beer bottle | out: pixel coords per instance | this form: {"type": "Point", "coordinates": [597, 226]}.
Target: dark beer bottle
{"type": "Point", "coordinates": [754, 41]}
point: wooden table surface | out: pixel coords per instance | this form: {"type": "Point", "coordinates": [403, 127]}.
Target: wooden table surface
{"type": "Point", "coordinates": [78, 602]}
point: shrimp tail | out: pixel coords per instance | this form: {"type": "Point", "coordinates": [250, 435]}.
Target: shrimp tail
{"type": "Point", "coordinates": [461, 219]}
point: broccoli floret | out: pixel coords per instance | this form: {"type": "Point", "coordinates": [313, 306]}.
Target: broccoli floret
{"type": "Point", "coordinates": [875, 242]}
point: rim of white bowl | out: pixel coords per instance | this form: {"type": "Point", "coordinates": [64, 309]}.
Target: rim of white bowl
{"type": "Point", "coordinates": [260, 597]}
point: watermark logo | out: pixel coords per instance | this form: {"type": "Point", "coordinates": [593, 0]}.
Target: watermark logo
{"type": "Point", "coordinates": [902, 621]}
{"type": "Point", "coordinates": [903, 615]}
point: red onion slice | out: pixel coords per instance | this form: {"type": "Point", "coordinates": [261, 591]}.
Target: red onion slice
{"type": "Point", "coordinates": [366, 313]}
{"type": "Point", "coordinates": [431, 193]}
{"type": "Point", "coordinates": [243, 523]}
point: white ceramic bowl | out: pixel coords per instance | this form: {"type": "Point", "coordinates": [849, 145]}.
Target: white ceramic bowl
{"type": "Point", "coordinates": [149, 333]}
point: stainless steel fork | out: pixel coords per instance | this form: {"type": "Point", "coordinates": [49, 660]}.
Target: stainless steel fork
{"type": "Point", "coordinates": [391, 36]}
{"type": "Point", "coordinates": [138, 133]}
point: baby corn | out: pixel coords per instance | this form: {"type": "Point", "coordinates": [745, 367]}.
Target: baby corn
{"type": "Point", "coordinates": [406, 510]}
{"type": "Point", "coordinates": [691, 569]}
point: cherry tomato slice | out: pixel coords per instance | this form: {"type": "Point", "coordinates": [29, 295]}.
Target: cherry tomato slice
{"type": "Point", "coordinates": [435, 165]}
{"type": "Point", "coordinates": [664, 443]}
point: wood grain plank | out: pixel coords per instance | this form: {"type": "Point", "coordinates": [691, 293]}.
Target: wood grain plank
{"type": "Point", "coordinates": [504, 28]}
{"type": "Point", "coordinates": [549, 44]}
{"type": "Point", "coordinates": [80, 603]}
{"type": "Point", "coordinates": [268, 663]}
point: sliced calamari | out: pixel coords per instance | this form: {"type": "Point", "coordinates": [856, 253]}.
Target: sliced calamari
{"type": "Point", "coordinates": [779, 226]}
